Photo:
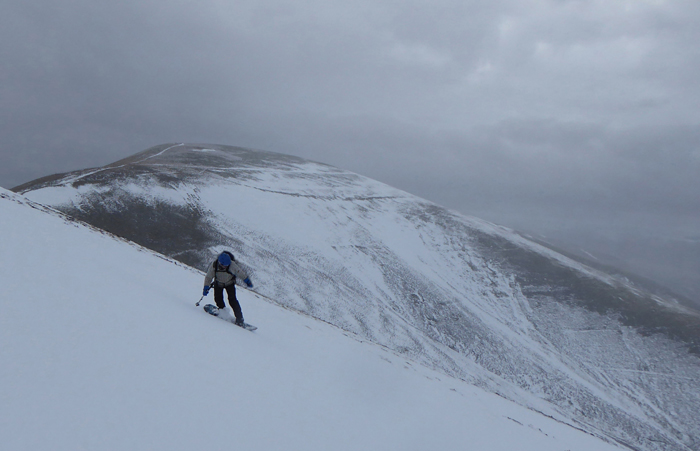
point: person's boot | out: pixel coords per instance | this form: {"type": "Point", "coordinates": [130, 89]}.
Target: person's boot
{"type": "Point", "coordinates": [240, 322]}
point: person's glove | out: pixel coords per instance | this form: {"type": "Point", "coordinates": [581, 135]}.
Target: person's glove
{"type": "Point", "coordinates": [248, 282]}
{"type": "Point", "coordinates": [206, 290]}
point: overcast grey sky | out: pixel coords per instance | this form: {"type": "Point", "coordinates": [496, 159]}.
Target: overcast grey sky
{"type": "Point", "coordinates": [554, 116]}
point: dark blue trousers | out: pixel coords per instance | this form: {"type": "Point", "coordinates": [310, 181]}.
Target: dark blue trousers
{"type": "Point", "coordinates": [232, 300]}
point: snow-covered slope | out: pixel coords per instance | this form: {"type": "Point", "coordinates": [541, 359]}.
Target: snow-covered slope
{"type": "Point", "coordinates": [102, 348]}
{"type": "Point", "coordinates": [462, 296]}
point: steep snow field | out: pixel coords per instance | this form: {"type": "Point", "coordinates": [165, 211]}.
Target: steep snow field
{"type": "Point", "coordinates": [461, 296]}
{"type": "Point", "coordinates": [101, 347]}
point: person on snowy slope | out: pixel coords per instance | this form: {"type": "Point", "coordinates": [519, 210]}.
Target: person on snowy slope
{"type": "Point", "coordinates": [222, 274]}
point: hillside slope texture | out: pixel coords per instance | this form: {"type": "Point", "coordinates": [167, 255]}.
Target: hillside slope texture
{"type": "Point", "coordinates": [465, 297]}
{"type": "Point", "coordinates": [129, 364]}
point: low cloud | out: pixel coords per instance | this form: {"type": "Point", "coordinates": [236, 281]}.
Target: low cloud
{"type": "Point", "coordinates": [530, 112]}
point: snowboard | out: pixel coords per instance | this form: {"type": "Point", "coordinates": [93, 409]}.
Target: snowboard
{"type": "Point", "coordinates": [226, 316]}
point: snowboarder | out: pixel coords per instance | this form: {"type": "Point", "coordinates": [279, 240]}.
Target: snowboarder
{"type": "Point", "coordinates": [222, 274]}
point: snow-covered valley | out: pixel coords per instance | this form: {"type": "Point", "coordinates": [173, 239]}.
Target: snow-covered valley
{"type": "Point", "coordinates": [458, 297]}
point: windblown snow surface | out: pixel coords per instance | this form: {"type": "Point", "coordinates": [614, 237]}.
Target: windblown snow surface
{"type": "Point", "coordinates": [463, 297]}
{"type": "Point", "coordinates": [102, 348]}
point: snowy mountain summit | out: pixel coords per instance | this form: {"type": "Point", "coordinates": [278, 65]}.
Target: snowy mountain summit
{"type": "Point", "coordinates": [464, 297]}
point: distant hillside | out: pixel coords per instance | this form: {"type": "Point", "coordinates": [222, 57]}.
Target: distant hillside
{"type": "Point", "coordinates": [97, 356]}
{"type": "Point", "coordinates": [468, 298]}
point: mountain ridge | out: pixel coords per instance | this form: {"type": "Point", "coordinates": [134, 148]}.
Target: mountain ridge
{"type": "Point", "coordinates": [475, 300]}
